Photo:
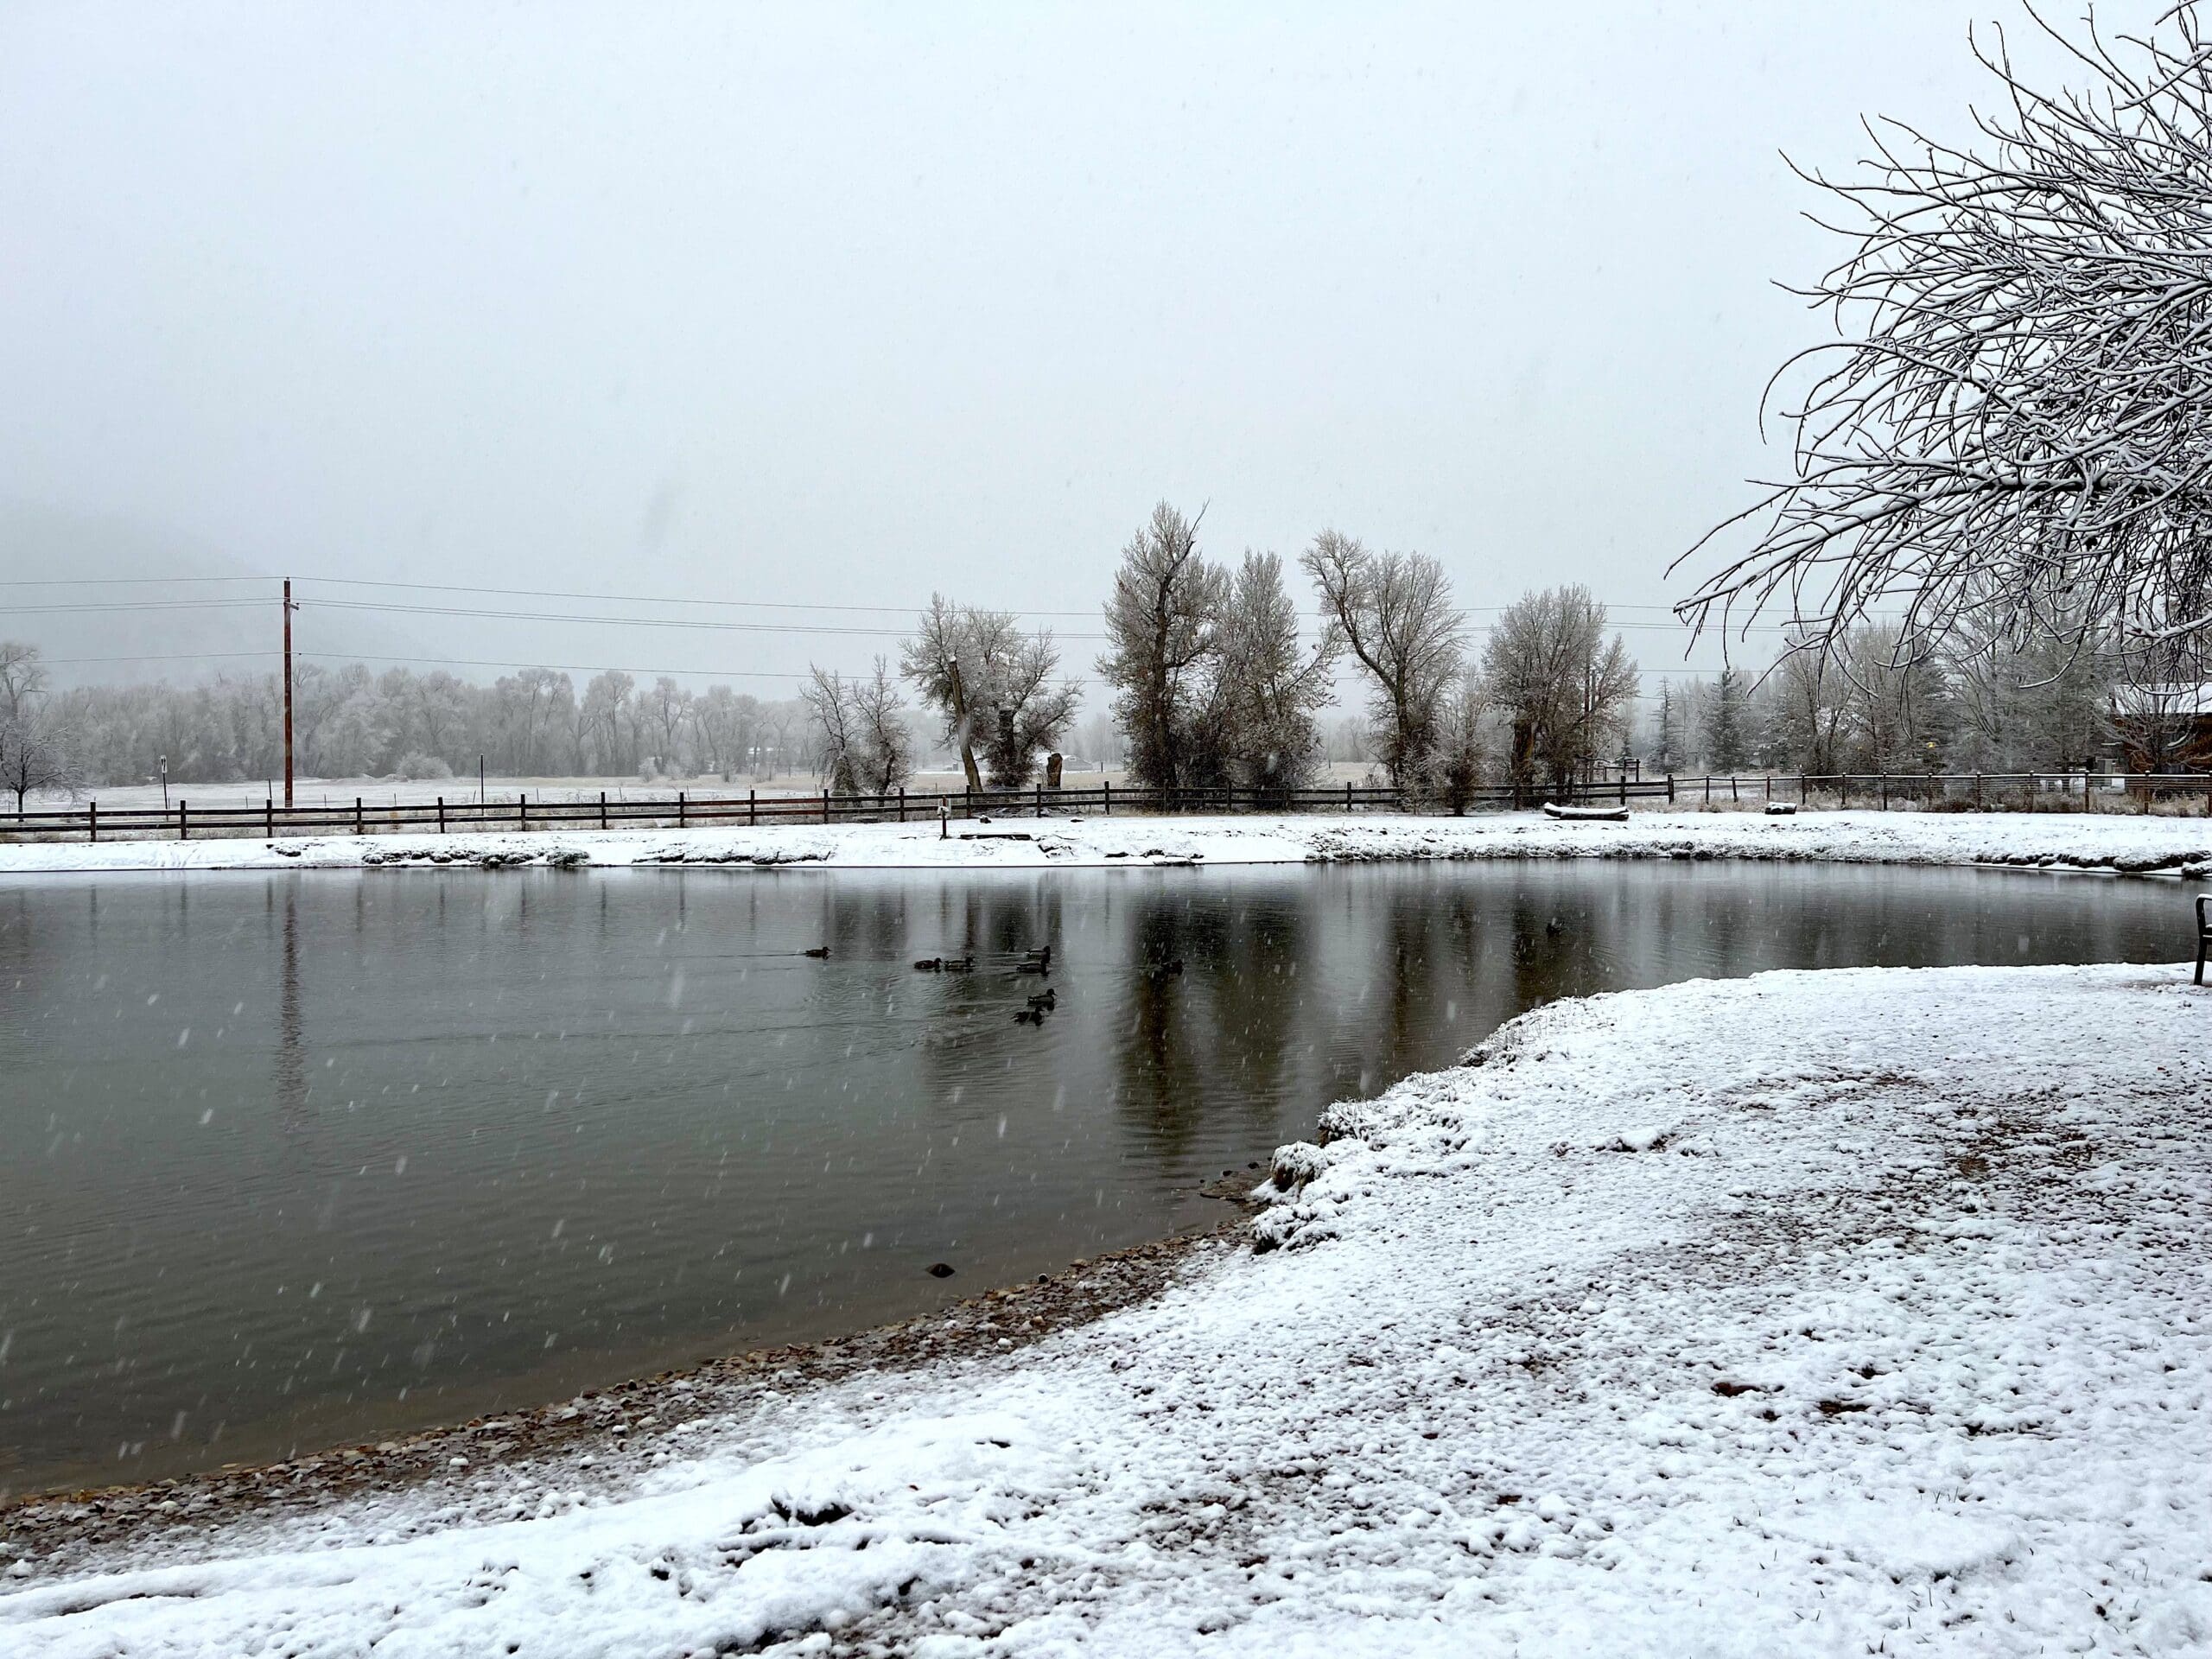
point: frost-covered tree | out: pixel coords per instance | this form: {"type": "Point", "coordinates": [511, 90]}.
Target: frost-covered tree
{"type": "Point", "coordinates": [23, 678]}
{"type": "Point", "coordinates": [1394, 615]}
{"type": "Point", "coordinates": [2010, 434]}
{"type": "Point", "coordinates": [37, 756]}
{"type": "Point", "coordinates": [1564, 687]}
{"type": "Point", "coordinates": [992, 686]}
{"type": "Point", "coordinates": [1163, 629]}
{"type": "Point", "coordinates": [1727, 722]}
{"type": "Point", "coordinates": [1808, 716]}
{"type": "Point", "coordinates": [1274, 684]}
{"type": "Point", "coordinates": [1668, 748]}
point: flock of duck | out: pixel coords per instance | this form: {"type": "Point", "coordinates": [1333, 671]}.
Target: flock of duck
{"type": "Point", "coordinates": [1038, 961]}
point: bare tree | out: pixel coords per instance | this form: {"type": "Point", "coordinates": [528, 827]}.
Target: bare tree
{"type": "Point", "coordinates": [992, 686]}
{"type": "Point", "coordinates": [860, 728]}
{"type": "Point", "coordinates": [829, 701]}
{"type": "Point", "coordinates": [1563, 686]}
{"type": "Point", "coordinates": [887, 740]}
{"type": "Point", "coordinates": [1395, 614]}
{"type": "Point", "coordinates": [1465, 740]}
{"type": "Point", "coordinates": [1898, 707]}
{"type": "Point", "coordinates": [36, 755]}
{"type": "Point", "coordinates": [1163, 626]}
{"type": "Point", "coordinates": [1274, 685]}
{"type": "Point", "coordinates": [1809, 715]}
{"type": "Point", "coordinates": [666, 711]}
{"type": "Point", "coordinates": [23, 679]}
{"type": "Point", "coordinates": [2012, 430]}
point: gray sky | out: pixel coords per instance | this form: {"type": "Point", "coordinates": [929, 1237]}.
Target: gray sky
{"type": "Point", "coordinates": [838, 305]}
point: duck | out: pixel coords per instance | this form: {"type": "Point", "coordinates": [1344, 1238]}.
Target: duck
{"type": "Point", "coordinates": [1029, 1016]}
{"type": "Point", "coordinates": [930, 964]}
{"type": "Point", "coordinates": [819, 952]}
{"type": "Point", "coordinates": [958, 965]}
{"type": "Point", "coordinates": [1045, 1003]}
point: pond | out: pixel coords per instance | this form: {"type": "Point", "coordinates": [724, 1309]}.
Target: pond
{"type": "Point", "coordinates": [294, 1160]}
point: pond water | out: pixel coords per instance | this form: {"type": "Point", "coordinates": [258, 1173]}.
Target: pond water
{"type": "Point", "coordinates": [293, 1160]}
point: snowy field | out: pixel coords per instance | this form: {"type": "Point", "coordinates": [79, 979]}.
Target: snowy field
{"type": "Point", "coordinates": [1811, 1313]}
{"type": "Point", "coordinates": [2060, 840]}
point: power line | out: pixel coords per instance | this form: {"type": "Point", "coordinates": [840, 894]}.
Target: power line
{"type": "Point", "coordinates": [138, 605]}
{"type": "Point", "coordinates": [565, 668]}
{"type": "Point", "coordinates": [636, 599]}
{"type": "Point", "coordinates": [113, 582]}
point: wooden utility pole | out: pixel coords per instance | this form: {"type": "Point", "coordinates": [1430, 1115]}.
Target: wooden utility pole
{"type": "Point", "coordinates": [289, 608]}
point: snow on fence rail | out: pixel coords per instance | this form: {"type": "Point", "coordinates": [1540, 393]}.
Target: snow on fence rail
{"type": "Point", "coordinates": [685, 809]}
{"type": "Point", "coordinates": [2074, 792]}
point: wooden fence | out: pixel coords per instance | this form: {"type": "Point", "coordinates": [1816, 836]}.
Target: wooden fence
{"type": "Point", "coordinates": [2074, 792]}
{"type": "Point", "coordinates": [1962, 791]}
{"type": "Point", "coordinates": [183, 821]}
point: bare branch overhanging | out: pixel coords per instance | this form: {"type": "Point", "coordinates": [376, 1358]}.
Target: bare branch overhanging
{"type": "Point", "coordinates": [2014, 432]}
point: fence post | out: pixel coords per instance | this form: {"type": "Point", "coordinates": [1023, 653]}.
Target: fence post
{"type": "Point", "coordinates": [1108, 784]}
{"type": "Point", "coordinates": [752, 808]}
{"type": "Point", "coordinates": [1977, 792]}
{"type": "Point", "coordinates": [2085, 786]}
{"type": "Point", "coordinates": [182, 834]}
{"type": "Point", "coordinates": [1885, 791]}
{"type": "Point", "coordinates": [825, 806]}
{"type": "Point", "coordinates": [92, 820]}
{"type": "Point", "coordinates": [441, 814]}
{"type": "Point", "coordinates": [522, 810]}
{"type": "Point", "coordinates": [1624, 785]}
{"type": "Point", "coordinates": [967, 801]}
{"type": "Point", "coordinates": [1671, 789]}
{"type": "Point", "coordinates": [1733, 795]}
{"type": "Point", "coordinates": [359, 827]}
{"type": "Point", "coordinates": [682, 819]}
{"type": "Point", "coordinates": [1040, 797]}
{"type": "Point", "coordinates": [1708, 789]}
{"type": "Point", "coordinates": [602, 809]}
{"type": "Point", "coordinates": [902, 802]}
{"type": "Point", "coordinates": [1347, 795]}
{"type": "Point", "coordinates": [269, 816]}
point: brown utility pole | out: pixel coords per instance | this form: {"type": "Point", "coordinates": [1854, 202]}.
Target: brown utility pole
{"type": "Point", "coordinates": [289, 608]}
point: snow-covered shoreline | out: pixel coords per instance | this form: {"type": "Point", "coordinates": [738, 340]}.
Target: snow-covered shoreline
{"type": "Point", "coordinates": [1801, 1313]}
{"type": "Point", "coordinates": [2117, 843]}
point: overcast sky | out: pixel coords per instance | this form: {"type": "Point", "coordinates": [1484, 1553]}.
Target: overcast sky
{"type": "Point", "coordinates": [839, 306]}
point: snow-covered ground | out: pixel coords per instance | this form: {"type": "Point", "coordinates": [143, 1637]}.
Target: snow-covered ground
{"type": "Point", "coordinates": [2068, 840]}
{"type": "Point", "coordinates": [1810, 1313]}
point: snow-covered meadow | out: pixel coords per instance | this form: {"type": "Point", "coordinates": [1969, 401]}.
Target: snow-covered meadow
{"type": "Point", "coordinates": [2172, 845]}
{"type": "Point", "coordinates": [1815, 1313]}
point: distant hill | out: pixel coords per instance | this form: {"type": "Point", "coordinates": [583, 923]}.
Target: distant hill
{"type": "Point", "coordinates": [85, 555]}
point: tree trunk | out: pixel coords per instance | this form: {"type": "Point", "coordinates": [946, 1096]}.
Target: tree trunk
{"type": "Point", "coordinates": [960, 725]}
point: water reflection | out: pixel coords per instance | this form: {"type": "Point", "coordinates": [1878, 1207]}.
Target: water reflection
{"type": "Point", "coordinates": [291, 1159]}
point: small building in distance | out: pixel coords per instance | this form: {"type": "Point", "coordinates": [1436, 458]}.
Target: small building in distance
{"type": "Point", "coordinates": [2163, 728]}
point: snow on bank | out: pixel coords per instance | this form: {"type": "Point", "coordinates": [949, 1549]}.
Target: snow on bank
{"type": "Point", "coordinates": [2062, 840]}
{"type": "Point", "coordinates": [1814, 1313]}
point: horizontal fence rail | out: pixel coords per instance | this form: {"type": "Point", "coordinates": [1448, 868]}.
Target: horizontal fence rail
{"type": "Point", "coordinates": [2074, 792]}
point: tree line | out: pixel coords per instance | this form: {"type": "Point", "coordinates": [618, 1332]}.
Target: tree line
{"type": "Point", "coordinates": [1214, 678]}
